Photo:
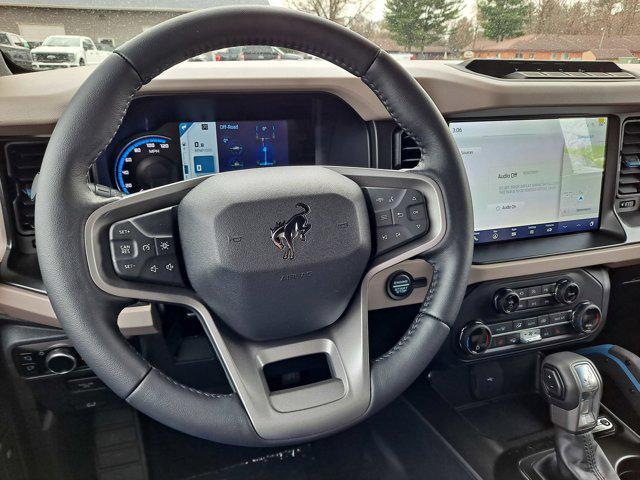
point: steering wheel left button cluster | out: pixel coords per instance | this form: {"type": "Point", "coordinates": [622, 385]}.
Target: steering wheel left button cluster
{"type": "Point", "coordinates": [143, 248]}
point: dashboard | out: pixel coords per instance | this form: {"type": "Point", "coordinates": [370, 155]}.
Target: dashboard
{"type": "Point", "coordinates": [530, 178]}
{"type": "Point", "coordinates": [549, 182]}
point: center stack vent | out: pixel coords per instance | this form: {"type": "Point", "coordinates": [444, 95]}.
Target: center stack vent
{"type": "Point", "coordinates": [629, 177]}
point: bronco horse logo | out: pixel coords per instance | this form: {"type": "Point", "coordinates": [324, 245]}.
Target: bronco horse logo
{"type": "Point", "coordinates": [284, 233]}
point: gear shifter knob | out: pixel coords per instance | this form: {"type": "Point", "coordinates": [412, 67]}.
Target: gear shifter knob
{"type": "Point", "coordinates": [572, 385]}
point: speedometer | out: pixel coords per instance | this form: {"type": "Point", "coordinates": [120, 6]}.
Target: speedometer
{"type": "Point", "coordinates": [146, 162]}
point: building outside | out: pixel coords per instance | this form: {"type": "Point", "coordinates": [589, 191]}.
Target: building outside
{"type": "Point", "coordinates": [429, 52]}
{"type": "Point", "coordinates": [117, 20]}
{"type": "Point", "coordinates": [560, 47]}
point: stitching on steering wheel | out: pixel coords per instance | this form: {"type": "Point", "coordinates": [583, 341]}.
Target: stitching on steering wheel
{"type": "Point", "coordinates": [191, 389]}
{"type": "Point", "coordinates": [417, 321]}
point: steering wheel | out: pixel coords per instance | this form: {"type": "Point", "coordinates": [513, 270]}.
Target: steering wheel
{"type": "Point", "coordinates": [276, 263]}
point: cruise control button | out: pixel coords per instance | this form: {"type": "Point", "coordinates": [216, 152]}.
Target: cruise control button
{"type": "Point", "coordinates": [124, 249]}
{"type": "Point", "coordinates": [123, 230]}
{"type": "Point", "coordinates": [128, 269]}
{"type": "Point", "coordinates": [146, 247]}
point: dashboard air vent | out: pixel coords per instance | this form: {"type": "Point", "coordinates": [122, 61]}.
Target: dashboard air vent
{"type": "Point", "coordinates": [23, 163]}
{"type": "Point", "coordinates": [629, 178]}
{"type": "Point", "coordinates": [406, 154]}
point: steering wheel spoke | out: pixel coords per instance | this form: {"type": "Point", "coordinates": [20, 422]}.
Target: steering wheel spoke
{"type": "Point", "coordinates": [133, 244]}
{"type": "Point", "coordinates": [406, 211]}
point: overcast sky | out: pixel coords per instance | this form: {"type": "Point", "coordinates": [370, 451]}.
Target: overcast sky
{"type": "Point", "coordinates": [378, 10]}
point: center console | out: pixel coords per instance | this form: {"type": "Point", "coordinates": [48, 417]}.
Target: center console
{"type": "Point", "coordinates": [531, 312]}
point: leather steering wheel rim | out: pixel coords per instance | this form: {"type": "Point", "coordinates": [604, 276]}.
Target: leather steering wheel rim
{"type": "Point", "coordinates": [65, 202]}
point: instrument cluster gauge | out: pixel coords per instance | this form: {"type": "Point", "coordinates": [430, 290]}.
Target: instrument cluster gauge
{"type": "Point", "coordinates": [146, 162]}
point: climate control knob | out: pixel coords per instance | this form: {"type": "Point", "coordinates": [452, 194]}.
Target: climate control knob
{"type": "Point", "coordinates": [475, 338]}
{"type": "Point", "coordinates": [61, 360]}
{"type": "Point", "coordinates": [567, 291]}
{"type": "Point", "coordinates": [506, 300]}
{"type": "Point", "coordinates": [586, 317]}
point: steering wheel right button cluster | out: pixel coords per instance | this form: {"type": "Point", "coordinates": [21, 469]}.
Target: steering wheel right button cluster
{"type": "Point", "coordinates": [400, 216]}
{"type": "Point", "coordinates": [143, 248]}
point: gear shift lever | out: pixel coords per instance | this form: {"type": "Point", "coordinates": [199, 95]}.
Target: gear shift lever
{"type": "Point", "coordinates": [573, 387]}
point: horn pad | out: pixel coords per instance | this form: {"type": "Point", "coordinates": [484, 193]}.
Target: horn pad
{"type": "Point", "coordinates": [275, 252]}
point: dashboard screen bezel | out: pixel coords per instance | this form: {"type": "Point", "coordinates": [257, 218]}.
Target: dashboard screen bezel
{"type": "Point", "coordinates": [316, 119]}
{"type": "Point", "coordinates": [610, 231]}
{"type": "Point", "coordinates": [546, 117]}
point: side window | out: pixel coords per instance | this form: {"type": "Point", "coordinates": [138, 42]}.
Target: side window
{"type": "Point", "coordinates": [4, 39]}
{"type": "Point", "coordinates": [15, 40]}
{"type": "Point", "coordinates": [87, 45]}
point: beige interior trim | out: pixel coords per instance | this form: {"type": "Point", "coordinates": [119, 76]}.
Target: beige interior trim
{"type": "Point", "coordinates": [625, 254]}
{"type": "Point", "coordinates": [378, 297]}
{"type": "Point", "coordinates": [4, 243]}
{"type": "Point", "coordinates": [139, 320]}
{"type": "Point", "coordinates": [31, 104]}
{"type": "Point", "coordinates": [23, 304]}
{"type": "Point", "coordinates": [26, 305]}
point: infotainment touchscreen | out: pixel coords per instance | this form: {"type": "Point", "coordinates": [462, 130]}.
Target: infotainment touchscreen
{"type": "Point", "coordinates": [212, 147]}
{"type": "Point", "coordinates": [533, 178]}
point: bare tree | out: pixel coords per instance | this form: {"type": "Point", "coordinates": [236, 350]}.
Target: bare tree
{"type": "Point", "coordinates": [461, 35]}
{"type": "Point", "coordinates": [584, 17]}
{"type": "Point", "coordinates": [345, 12]}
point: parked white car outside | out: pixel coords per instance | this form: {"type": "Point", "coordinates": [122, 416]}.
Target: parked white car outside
{"type": "Point", "coordinates": [61, 51]}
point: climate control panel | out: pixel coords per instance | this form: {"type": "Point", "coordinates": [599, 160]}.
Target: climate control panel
{"type": "Point", "coordinates": [502, 317]}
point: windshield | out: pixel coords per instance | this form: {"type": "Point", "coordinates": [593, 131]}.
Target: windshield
{"type": "Point", "coordinates": [61, 42]}
{"type": "Point", "coordinates": [410, 30]}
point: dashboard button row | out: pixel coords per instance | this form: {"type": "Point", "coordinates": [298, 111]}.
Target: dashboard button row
{"type": "Point", "coordinates": [531, 322]}
{"type": "Point", "coordinates": [400, 215]}
{"type": "Point", "coordinates": [530, 336]}
{"type": "Point", "coordinates": [144, 248]}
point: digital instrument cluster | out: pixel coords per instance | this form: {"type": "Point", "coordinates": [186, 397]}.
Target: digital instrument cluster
{"type": "Point", "coordinates": [183, 150]}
